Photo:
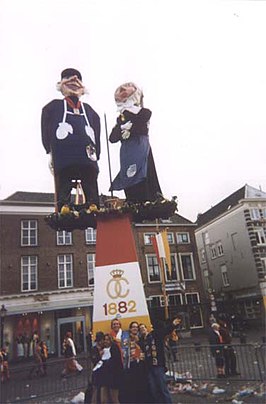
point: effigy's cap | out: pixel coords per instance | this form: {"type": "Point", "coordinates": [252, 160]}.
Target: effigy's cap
{"type": "Point", "coordinates": [69, 73]}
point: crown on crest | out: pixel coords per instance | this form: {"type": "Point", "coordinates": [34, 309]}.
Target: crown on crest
{"type": "Point", "coordinates": [117, 273]}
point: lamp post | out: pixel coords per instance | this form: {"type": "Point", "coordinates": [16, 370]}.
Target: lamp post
{"type": "Point", "coordinates": [3, 311]}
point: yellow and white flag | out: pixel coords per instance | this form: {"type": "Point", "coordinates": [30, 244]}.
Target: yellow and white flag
{"type": "Point", "coordinates": [164, 249]}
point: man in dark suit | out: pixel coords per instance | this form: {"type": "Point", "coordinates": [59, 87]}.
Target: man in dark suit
{"type": "Point", "coordinates": [71, 135]}
{"type": "Point", "coordinates": [228, 350]}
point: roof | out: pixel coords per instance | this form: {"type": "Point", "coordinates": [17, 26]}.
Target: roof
{"type": "Point", "coordinates": [175, 219]}
{"type": "Point", "coordinates": [178, 219]}
{"type": "Point", "coordinates": [226, 204]}
{"type": "Point", "coordinates": [39, 197]}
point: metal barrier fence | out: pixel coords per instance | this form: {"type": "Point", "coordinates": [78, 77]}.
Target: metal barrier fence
{"type": "Point", "coordinates": [194, 361]}
{"type": "Point", "coordinates": [26, 384]}
{"type": "Point", "coordinates": [197, 362]}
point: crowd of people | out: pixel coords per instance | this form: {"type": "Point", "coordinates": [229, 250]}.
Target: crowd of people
{"type": "Point", "coordinates": [129, 365]}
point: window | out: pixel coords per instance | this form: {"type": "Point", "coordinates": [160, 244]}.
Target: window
{"type": "Point", "coordinates": [155, 301]}
{"type": "Point", "coordinates": [260, 236]}
{"type": "Point", "coordinates": [263, 211]}
{"type": "Point", "coordinates": [175, 300]}
{"type": "Point", "coordinates": [213, 251]}
{"type": "Point", "coordinates": [174, 274]}
{"type": "Point", "coordinates": [29, 273]}
{"type": "Point", "coordinates": [220, 248]}
{"type": "Point", "coordinates": [203, 255]}
{"type": "Point", "coordinates": [234, 238]}
{"type": "Point", "coordinates": [90, 235]}
{"type": "Point", "coordinates": [170, 237]}
{"type": "Point", "coordinates": [154, 274]}
{"type": "Point", "coordinates": [91, 267]}
{"type": "Point", "coordinates": [65, 270]}
{"type": "Point", "coordinates": [194, 310]}
{"type": "Point", "coordinates": [225, 277]}
{"type": "Point", "coordinates": [64, 237]}
{"type": "Point", "coordinates": [206, 238]}
{"type": "Point", "coordinates": [252, 308]}
{"type": "Point", "coordinates": [263, 261]}
{"type": "Point", "coordinates": [147, 238]}
{"type": "Point", "coordinates": [182, 238]}
{"type": "Point", "coordinates": [255, 213]}
{"type": "Point", "coordinates": [187, 266]}
{"type": "Point", "coordinates": [206, 279]}
{"type": "Point", "coordinates": [29, 232]}
{"type": "Point", "coordinates": [192, 298]}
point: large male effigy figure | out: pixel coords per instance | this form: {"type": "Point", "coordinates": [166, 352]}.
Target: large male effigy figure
{"type": "Point", "coordinates": [71, 135]}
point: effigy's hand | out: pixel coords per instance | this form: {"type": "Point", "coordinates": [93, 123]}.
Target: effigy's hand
{"type": "Point", "coordinates": [125, 134]}
{"type": "Point", "coordinates": [125, 128]}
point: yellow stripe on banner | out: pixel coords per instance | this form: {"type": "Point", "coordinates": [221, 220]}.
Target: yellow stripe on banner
{"type": "Point", "coordinates": [105, 326]}
{"type": "Point", "coordinates": [264, 302]}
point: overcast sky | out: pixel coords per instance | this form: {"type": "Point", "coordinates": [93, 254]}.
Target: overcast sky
{"type": "Point", "coordinates": [202, 68]}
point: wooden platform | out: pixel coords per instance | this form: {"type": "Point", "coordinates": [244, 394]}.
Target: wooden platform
{"type": "Point", "coordinates": [80, 218]}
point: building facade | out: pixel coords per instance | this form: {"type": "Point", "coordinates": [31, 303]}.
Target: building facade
{"type": "Point", "coordinates": [231, 240]}
{"type": "Point", "coordinates": [47, 277]}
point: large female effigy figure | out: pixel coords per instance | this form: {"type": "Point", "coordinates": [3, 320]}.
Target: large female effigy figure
{"type": "Point", "coordinates": [71, 134]}
{"type": "Point", "coordinates": [137, 176]}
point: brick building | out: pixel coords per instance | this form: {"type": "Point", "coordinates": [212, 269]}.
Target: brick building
{"type": "Point", "coordinates": [46, 277]}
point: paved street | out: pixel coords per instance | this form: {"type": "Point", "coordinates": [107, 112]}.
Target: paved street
{"type": "Point", "coordinates": [232, 392]}
{"type": "Point", "coordinates": [22, 386]}
{"type": "Point", "coordinates": [196, 360]}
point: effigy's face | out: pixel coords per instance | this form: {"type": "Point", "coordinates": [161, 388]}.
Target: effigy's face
{"type": "Point", "coordinates": [124, 91]}
{"type": "Point", "coordinates": [72, 86]}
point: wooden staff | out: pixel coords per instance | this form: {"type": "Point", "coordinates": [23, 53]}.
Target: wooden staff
{"type": "Point", "coordinates": [55, 183]}
{"type": "Point", "coordinates": [108, 154]}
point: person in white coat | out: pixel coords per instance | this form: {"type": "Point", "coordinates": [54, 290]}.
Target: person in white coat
{"type": "Point", "coordinates": [69, 349]}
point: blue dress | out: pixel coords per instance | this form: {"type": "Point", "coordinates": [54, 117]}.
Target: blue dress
{"type": "Point", "coordinates": [137, 175]}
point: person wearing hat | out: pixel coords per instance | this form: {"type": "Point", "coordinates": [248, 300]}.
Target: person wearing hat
{"type": "Point", "coordinates": [137, 175]}
{"type": "Point", "coordinates": [71, 136]}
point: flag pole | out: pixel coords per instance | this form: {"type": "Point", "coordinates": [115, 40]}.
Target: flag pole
{"type": "Point", "coordinates": [161, 266]}
{"type": "Point", "coordinates": [108, 154]}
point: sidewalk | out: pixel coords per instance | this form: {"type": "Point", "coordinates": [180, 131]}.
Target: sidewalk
{"type": "Point", "coordinates": [252, 393]}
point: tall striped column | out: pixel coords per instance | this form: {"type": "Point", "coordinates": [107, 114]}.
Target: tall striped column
{"type": "Point", "coordinates": [118, 287]}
